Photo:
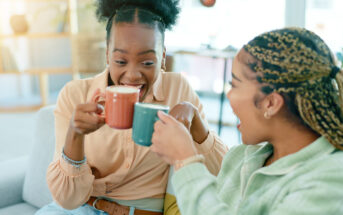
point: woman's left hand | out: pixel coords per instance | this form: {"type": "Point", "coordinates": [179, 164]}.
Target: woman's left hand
{"type": "Point", "coordinates": [188, 115]}
{"type": "Point", "coordinates": [171, 140]}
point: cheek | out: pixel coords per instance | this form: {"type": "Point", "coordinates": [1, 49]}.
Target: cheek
{"type": "Point", "coordinates": [237, 100]}
{"type": "Point", "coordinates": [115, 73]}
{"type": "Point", "coordinates": [250, 122]}
{"type": "Point", "coordinates": [152, 75]}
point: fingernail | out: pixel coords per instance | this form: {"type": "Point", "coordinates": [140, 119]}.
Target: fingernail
{"type": "Point", "coordinates": [100, 107]}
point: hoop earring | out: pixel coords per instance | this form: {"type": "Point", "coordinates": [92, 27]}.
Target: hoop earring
{"type": "Point", "coordinates": [266, 115]}
{"type": "Point", "coordinates": [163, 66]}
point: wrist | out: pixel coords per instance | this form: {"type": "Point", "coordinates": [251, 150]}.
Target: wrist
{"type": "Point", "coordinates": [73, 147]}
{"type": "Point", "coordinates": [75, 135]}
{"type": "Point", "coordinates": [76, 163]}
{"type": "Point", "coordinates": [198, 158]}
{"type": "Point", "coordinates": [199, 129]}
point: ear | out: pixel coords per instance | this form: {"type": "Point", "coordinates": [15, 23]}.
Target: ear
{"type": "Point", "coordinates": [107, 57]}
{"type": "Point", "coordinates": [272, 104]}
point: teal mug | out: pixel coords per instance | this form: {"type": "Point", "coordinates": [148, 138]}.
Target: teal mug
{"type": "Point", "coordinates": [144, 118]}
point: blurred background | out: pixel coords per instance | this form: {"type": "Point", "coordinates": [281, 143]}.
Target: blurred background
{"type": "Point", "coordinates": [46, 43]}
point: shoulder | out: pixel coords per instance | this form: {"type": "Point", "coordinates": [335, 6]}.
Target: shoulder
{"type": "Point", "coordinates": [332, 162]}
{"type": "Point", "coordinates": [174, 79]}
{"type": "Point", "coordinates": [75, 91]}
{"type": "Point", "coordinates": [322, 172]}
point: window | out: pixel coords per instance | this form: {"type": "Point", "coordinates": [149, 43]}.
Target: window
{"type": "Point", "coordinates": [324, 17]}
{"type": "Point", "coordinates": [228, 22]}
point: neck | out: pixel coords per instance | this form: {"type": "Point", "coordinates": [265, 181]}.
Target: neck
{"type": "Point", "coordinates": [291, 140]}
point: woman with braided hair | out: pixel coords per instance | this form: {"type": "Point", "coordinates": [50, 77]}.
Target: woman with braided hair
{"type": "Point", "coordinates": [100, 170]}
{"type": "Point", "coordinates": [288, 94]}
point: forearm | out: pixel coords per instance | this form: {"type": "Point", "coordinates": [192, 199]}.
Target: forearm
{"type": "Point", "coordinates": [74, 145]}
{"type": "Point", "coordinates": [196, 193]}
{"type": "Point", "coordinates": [199, 129]}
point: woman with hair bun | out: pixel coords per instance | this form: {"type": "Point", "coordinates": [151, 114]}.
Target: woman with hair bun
{"type": "Point", "coordinates": [288, 94]}
{"type": "Point", "coordinates": [99, 170]}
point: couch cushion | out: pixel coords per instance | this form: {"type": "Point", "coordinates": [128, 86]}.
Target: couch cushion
{"type": "Point", "coordinates": [36, 190]}
{"type": "Point", "coordinates": [19, 209]}
{"type": "Point", "coordinates": [11, 180]}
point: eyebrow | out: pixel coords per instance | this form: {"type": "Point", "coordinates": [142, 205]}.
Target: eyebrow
{"type": "Point", "coordinates": [235, 77]}
{"type": "Point", "coordinates": [119, 50]}
{"type": "Point", "coordinates": [140, 53]}
{"type": "Point", "coordinates": [147, 51]}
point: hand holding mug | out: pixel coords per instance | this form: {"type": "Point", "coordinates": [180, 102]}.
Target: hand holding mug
{"type": "Point", "coordinates": [87, 117]}
{"type": "Point", "coordinates": [171, 140]}
{"type": "Point", "coordinates": [189, 116]}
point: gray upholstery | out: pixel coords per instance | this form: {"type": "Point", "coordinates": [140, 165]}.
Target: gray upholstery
{"type": "Point", "coordinates": [11, 181]}
{"type": "Point", "coordinates": [23, 187]}
{"type": "Point", "coordinates": [40, 157]}
{"type": "Point", "coordinates": [19, 209]}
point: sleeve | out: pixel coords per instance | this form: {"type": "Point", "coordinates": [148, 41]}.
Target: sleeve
{"type": "Point", "coordinates": [196, 191]}
{"type": "Point", "coordinates": [70, 186]}
{"type": "Point", "coordinates": [320, 194]}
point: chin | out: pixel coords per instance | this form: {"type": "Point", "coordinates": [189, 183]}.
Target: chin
{"type": "Point", "coordinates": [249, 141]}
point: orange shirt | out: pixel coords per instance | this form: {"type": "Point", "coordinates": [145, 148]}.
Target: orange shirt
{"type": "Point", "coordinates": [117, 167]}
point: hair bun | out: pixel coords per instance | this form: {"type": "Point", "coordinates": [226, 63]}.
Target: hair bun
{"type": "Point", "coordinates": [168, 10]}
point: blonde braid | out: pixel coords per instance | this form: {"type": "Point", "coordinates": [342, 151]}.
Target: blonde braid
{"type": "Point", "coordinates": [295, 61]}
{"type": "Point", "coordinates": [339, 80]}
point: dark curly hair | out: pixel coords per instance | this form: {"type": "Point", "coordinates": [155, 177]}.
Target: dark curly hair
{"type": "Point", "coordinates": [162, 13]}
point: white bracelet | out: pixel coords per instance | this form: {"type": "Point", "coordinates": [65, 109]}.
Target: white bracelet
{"type": "Point", "coordinates": [194, 159]}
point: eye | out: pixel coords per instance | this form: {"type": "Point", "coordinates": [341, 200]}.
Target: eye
{"type": "Point", "coordinates": [148, 63]}
{"type": "Point", "coordinates": [120, 62]}
{"type": "Point", "coordinates": [231, 84]}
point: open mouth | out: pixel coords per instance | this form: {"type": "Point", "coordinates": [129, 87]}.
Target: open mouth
{"type": "Point", "coordinates": [237, 120]}
{"type": "Point", "coordinates": [141, 88]}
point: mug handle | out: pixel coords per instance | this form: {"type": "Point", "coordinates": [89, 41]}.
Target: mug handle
{"type": "Point", "coordinates": [100, 99]}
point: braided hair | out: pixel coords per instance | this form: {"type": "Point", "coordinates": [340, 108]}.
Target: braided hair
{"type": "Point", "coordinates": [150, 12]}
{"type": "Point", "coordinates": [298, 64]}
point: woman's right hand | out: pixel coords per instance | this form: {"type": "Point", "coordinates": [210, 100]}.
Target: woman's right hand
{"type": "Point", "coordinates": [88, 117]}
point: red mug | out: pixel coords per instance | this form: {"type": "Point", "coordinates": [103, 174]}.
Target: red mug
{"type": "Point", "coordinates": [119, 106]}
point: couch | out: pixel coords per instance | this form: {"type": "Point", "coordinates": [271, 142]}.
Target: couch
{"type": "Point", "coordinates": [23, 187]}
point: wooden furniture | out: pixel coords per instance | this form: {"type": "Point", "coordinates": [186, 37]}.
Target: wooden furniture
{"type": "Point", "coordinates": [71, 20]}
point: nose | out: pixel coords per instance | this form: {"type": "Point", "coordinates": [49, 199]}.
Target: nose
{"type": "Point", "coordinates": [228, 94]}
{"type": "Point", "coordinates": [133, 73]}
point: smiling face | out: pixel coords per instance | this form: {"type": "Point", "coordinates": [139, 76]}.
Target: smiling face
{"type": "Point", "coordinates": [246, 100]}
{"type": "Point", "coordinates": [134, 55]}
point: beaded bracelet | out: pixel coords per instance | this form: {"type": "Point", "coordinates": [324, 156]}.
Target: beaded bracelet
{"type": "Point", "coordinates": [77, 164]}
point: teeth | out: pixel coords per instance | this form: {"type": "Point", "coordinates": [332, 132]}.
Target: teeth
{"type": "Point", "coordinates": [137, 86]}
